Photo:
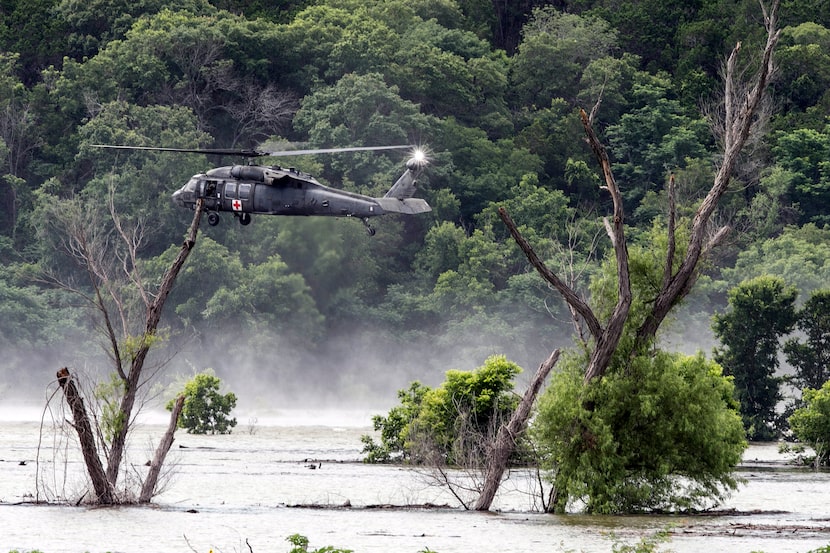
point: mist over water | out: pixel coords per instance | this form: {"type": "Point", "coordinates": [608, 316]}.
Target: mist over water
{"type": "Point", "coordinates": [359, 372]}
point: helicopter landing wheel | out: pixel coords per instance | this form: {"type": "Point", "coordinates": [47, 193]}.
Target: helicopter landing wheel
{"type": "Point", "coordinates": [370, 230]}
{"type": "Point", "coordinates": [213, 219]}
{"type": "Point", "coordinates": [244, 219]}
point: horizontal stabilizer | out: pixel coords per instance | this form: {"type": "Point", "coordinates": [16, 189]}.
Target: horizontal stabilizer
{"type": "Point", "coordinates": [410, 206]}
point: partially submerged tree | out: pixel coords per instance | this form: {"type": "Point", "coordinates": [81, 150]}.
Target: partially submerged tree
{"type": "Point", "coordinates": [205, 410]}
{"type": "Point", "coordinates": [663, 434]}
{"type": "Point", "coordinates": [811, 423]}
{"type": "Point", "coordinates": [128, 312]}
{"type": "Point", "coordinates": [611, 345]}
{"type": "Point", "coordinates": [455, 426]}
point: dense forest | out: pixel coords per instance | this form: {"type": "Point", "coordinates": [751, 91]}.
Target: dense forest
{"type": "Point", "coordinates": [312, 310]}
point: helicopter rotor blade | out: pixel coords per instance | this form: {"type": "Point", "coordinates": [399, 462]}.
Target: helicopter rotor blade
{"type": "Point", "coordinates": [253, 153]}
{"type": "Point", "coordinates": [215, 151]}
{"type": "Point", "coordinates": [284, 153]}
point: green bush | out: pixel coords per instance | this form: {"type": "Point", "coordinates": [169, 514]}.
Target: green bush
{"type": "Point", "coordinates": [811, 424]}
{"type": "Point", "coordinates": [299, 544]}
{"type": "Point", "coordinates": [205, 410]}
{"type": "Point", "coordinates": [661, 434]}
{"type": "Point", "coordinates": [448, 424]}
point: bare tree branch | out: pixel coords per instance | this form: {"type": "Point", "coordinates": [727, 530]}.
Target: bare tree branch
{"type": "Point", "coordinates": [740, 117]}
{"type": "Point", "coordinates": [149, 486]}
{"type": "Point", "coordinates": [570, 296]}
{"type": "Point", "coordinates": [103, 488]}
{"type": "Point", "coordinates": [608, 340]}
{"type": "Point", "coordinates": [152, 318]}
{"type": "Point", "coordinates": [505, 442]}
{"type": "Point", "coordinates": [671, 230]}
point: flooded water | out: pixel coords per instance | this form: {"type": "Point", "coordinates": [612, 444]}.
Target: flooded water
{"type": "Point", "coordinates": [300, 473]}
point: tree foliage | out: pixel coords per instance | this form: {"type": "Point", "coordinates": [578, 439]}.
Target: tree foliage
{"type": "Point", "coordinates": [447, 425]}
{"type": "Point", "coordinates": [206, 411]}
{"type": "Point", "coordinates": [811, 423]}
{"type": "Point", "coordinates": [762, 310]}
{"type": "Point", "coordinates": [663, 433]}
{"type": "Point", "coordinates": [811, 357]}
{"type": "Point", "coordinates": [799, 255]}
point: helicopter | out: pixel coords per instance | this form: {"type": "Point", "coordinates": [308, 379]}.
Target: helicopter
{"type": "Point", "coordinates": [245, 190]}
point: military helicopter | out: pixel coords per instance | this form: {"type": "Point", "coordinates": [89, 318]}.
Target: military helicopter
{"type": "Point", "coordinates": [244, 190]}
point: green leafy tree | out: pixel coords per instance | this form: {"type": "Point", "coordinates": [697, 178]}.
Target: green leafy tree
{"type": "Point", "coordinates": [451, 71]}
{"type": "Point", "coordinates": [25, 320]}
{"type": "Point", "coordinates": [762, 310]}
{"type": "Point", "coordinates": [92, 25]}
{"type": "Point", "coordinates": [621, 443]}
{"type": "Point", "coordinates": [803, 154]}
{"type": "Point", "coordinates": [469, 405]}
{"type": "Point", "coordinates": [811, 423]}
{"type": "Point", "coordinates": [480, 167]}
{"type": "Point", "coordinates": [545, 211]}
{"type": "Point", "coordinates": [30, 29]}
{"type": "Point", "coordinates": [811, 357]}
{"type": "Point", "coordinates": [326, 41]}
{"type": "Point", "coordinates": [646, 27]}
{"type": "Point", "coordinates": [205, 410]}
{"type": "Point", "coordinates": [364, 110]}
{"type": "Point", "coordinates": [268, 298]}
{"type": "Point", "coordinates": [661, 434]}
{"type": "Point", "coordinates": [394, 427]}
{"type": "Point", "coordinates": [216, 65]}
{"type": "Point", "coordinates": [554, 134]}
{"type": "Point", "coordinates": [653, 138]}
{"type": "Point", "coordinates": [801, 255]}
{"type": "Point", "coordinates": [561, 44]}
{"type": "Point", "coordinates": [212, 267]}
{"type": "Point", "coordinates": [805, 67]}
{"type": "Point", "coordinates": [447, 424]}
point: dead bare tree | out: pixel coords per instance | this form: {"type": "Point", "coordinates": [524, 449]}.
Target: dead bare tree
{"type": "Point", "coordinates": [112, 275]}
{"type": "Point", "coordinates": [259, 112]}
{"type": "Point", "coordinates": [505, 442]}
{"type": "Point", "coordinates": [741, 109]}
{"type": "Point", "coordinates": [104, 493]}
{"type": "Point", "coordinates": [149, 486]}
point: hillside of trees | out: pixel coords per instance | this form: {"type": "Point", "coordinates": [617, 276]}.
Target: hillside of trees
{"type": "Point", "coordinates": [313, 310]}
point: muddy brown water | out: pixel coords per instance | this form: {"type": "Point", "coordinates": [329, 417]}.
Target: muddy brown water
{"type": "Point", "coordinates": [300, 473]}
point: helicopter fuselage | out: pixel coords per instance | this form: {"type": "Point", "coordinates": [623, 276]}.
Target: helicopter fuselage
{"type": "Point", "coordinates": [272, 190]}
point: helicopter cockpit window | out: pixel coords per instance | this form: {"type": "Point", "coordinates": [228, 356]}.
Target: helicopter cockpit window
{"type": "Point", "coordinates": [230, 190]}
{"type": "Point", "coordinates": [244, 191]}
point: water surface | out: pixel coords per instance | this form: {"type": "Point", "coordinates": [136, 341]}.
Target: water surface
{"type": "Point", "coordinates": [301, 474]}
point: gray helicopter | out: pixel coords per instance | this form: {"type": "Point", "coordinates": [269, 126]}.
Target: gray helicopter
{"type": "Point", "coordinates": [245, 190]}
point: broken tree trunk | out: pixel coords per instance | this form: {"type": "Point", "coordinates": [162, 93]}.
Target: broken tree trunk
{"type": "Point", "coordinates": [103, 491]}
{"type": "Point", "coordinates": [505, 442]}
{"type": "Point", "coordinates": [152, 319]}
{"type": "Point", "coordinates": [149, 485]}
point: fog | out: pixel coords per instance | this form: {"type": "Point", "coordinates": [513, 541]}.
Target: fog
{"type": "Point", "coordinates": [358, 371]}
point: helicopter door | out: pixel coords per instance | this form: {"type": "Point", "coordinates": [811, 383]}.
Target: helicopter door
{"type": "Point", "coordinates": [245, 192]}
{"type": "Point", "coordinates": [210, 192]}
{"type": "Point", "coordinates": [230, 201]}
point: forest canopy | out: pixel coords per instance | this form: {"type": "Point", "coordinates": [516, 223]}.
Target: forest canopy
{"type": "Point", "coordinates": [492, 91]}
